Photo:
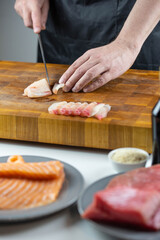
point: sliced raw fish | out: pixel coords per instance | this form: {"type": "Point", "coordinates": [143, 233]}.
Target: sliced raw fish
{"type": "Point", "coordinates": [56, 87]}
{"type": "Point", "coordinates": [67, 109]}
{"type": "Point", "coordinates": [88, 110]}
{"type": "Point", "coordinates": [75, 107]}
{"type": "Point", "coordinates": [55, 107]}
{"type": "Point", "coordinates": [80, 108]}
{"type": "Point", "coordinates": [38, 89]}
{"type": "Point", "coordinates": [103, 111]}
{"type": "Point", "coordinates": [98, 110]}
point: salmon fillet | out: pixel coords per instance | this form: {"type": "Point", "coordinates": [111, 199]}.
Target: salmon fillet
{"type": "Point", "coordinates": [26, 193]}
{"type": "Point", "coordinates": [27, 190]}
{"type": "Point", "coordinates": [38, 170]}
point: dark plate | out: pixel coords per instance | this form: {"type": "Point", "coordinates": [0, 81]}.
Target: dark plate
{"type": "Point", "coordinates": [69, 194]}
{"type": "Point", "coordinates": [114, 231]}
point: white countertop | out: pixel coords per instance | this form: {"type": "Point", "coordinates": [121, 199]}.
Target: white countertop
{"type": "Point", "coordinates": [67, 224]}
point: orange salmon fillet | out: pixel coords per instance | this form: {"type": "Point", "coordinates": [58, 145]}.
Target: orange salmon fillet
{"type": "Point", "coordinates": [37, 170]}
{"type": "Point", "coordinates": [27, 185]}
{"type": "Point", "coordinates": [26, 193]}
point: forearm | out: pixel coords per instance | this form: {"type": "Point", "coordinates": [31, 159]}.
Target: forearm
{"type": "Point", "coordinates": [141, 21]}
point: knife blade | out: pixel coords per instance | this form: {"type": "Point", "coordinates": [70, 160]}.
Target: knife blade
{"type": "Point", "coordinates": [43, 57]}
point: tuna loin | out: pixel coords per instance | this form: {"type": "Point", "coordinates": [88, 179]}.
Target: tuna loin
{"type": "Point", "coordinates": [132, 199]}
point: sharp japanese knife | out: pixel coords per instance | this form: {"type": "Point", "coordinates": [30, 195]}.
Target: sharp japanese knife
{"type": "Point", "coordinates": [43, 57]}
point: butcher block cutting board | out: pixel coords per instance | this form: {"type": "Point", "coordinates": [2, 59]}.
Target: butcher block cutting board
{"type": "Point", "coordinates": [131, 96]}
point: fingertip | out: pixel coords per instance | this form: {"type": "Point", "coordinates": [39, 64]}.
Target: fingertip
{"type": "Point", "coordinates": [43, 26]}
{"type": "Point", "coordinates": [74, 90]}
{"type": "Point", "coordinates": [61, 80]}
{"type": "Point", "coordinates": [37, 30]}
{"type": "Point", "coordinates": [66, 90]}
{"type": "Point", "coordinates": [85, 90]}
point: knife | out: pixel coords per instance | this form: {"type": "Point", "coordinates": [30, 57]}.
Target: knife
{"type": "Point", "coordinates": [43, 57]}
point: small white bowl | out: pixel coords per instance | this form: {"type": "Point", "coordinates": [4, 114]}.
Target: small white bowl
{"type": "Point", "coordinates": [124, 167]}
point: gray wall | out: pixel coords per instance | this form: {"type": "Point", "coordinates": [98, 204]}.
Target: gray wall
{"type": "Point", "coordinates": [17, 43]}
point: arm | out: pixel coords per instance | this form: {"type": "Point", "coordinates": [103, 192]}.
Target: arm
{"type": "Point", "coordinates": [33, 12]}
{"type": "Point", "coordinates": [112, 60]}
{"type": "Point", "coordinates": [143, 18]}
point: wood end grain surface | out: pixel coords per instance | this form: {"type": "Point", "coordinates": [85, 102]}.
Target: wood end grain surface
{"type": "Point", "coordinates": [131, 96]}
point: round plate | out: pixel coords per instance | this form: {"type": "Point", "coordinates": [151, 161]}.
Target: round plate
{"type": "Point", "coordinates": [115, 231]}
{"type": "Point", "coordinates": [69, 194]}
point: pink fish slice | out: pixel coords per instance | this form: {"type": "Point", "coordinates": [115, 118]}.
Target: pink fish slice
{"type": "Point", "coordinates": [67, 109]}
{"type": "Point", "coordinates": [74, 107]}
{"type": "Point", "coordinates": [87, 111]}
{"type": "Point", "coordinates": [102, 113]}
{"type": "Point", "coordinates": [96, 109]}
{"type": "Point", "coordinates": [60, 107]}
{"type": "Point", "coordinates": [55, 107]}
{"type": "Point", "coordinates": [38, 89]}
{"type": "Point", "coordinates": [79, 109]}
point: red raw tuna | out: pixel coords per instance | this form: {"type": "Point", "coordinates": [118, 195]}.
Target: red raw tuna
{"type": "Point", "coordinates": [132, 198]}
{"type": "Point", "coordinates": [94, 213]}
{"type": "Point", "coordinates": [142, 178]}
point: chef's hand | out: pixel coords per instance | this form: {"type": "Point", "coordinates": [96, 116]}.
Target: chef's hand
{"type": "Point", "coordinates": [33, 12]}
{"type": "Point", "coordinates": [103, 63]}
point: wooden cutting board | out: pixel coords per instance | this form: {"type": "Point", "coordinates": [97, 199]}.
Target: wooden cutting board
{"type": "Point", "coordinates": [131, 96]}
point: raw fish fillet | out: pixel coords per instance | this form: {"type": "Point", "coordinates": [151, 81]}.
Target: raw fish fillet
{"type": "Point", "coordinates": [56, 87]}
{"type": "Point", "coordinates": [141, 178]}
{"type": "Point", "coordinates": [41, 170]}
{"type": "Point", "coordinates": [94, 213]}
{"type": "Point", "coordinates": [38, 89]}
{"type": "Point", "coordinates": [132, 199]}
{"type": "Point", "coordinates": [33, 185]}
{"type": "Point", "coordinates": [26, 193]}
{"type": "Point", "coordinates": [124, 205]}
{"type": "Point", "coordinates": [98, 110]}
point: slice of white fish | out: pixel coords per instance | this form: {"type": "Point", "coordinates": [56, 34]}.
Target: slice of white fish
{"type": "Point", "coordinates": [102, 113]}
{"type": "Point", "coordinates": [38, 89]}
{"type": "Point", "coordinates": [55, 107]}
{"type": "Point", "coordinates": [93, 109]}
{"type": "Point", "coordinates": [67, 109]}
{"type": "Point", "coordinates": [80, 109]}
{"type": "Point", "coordinates": [88, 110]}
{"type": "Point", "coordinates": [96, 109]}
{"type": "Point", "coordinates": [74, 107]}
{"type": "Point", "coordinates": [56, 87]}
